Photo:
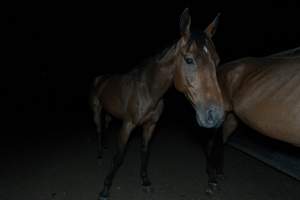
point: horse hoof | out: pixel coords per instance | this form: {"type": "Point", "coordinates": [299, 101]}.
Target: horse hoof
{"type": "Point", "coordinates": [103, 197]}
{"type": "Point", "coordinates": [100, 155]}
{"type": "Point", "coordinates": [148, 189]}
{"type": "Point", "coordinates": [209, 191]}
{"type": "Point", "coordinates": [99, 161]}
{"type": "Point", "coordinates": [212, 187]}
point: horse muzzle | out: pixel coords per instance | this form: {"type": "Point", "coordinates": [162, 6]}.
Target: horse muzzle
{"type": "Point", "coordinates": [212, 117]}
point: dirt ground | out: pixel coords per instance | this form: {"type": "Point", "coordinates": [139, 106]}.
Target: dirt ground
{"type": "Point", "coordinates": [64, 167]}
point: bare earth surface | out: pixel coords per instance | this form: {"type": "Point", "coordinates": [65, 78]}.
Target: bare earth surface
{"type": "Point", "coordinates": [65, 168]}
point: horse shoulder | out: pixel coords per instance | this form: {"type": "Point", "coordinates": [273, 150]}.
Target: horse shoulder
{"type": "Point", "coordinates": [231, 76]}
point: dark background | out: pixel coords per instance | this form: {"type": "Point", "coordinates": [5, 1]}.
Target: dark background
{"type": "Point", "coordinates": [52, 51]}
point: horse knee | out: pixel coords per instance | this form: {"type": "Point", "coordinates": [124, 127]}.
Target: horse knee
{"type": "Point", "coordinates": [97, 122]}
{"type": "Point", "coordinates": [108, 119]}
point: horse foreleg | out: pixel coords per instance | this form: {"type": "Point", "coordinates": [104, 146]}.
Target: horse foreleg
{"type": "Point", "coordinates": [147, 135]}
{"type": "Point", "coordinates": [148, 129]}
{"type": "Point", "coordinates": [124, 134]}
{"type": "Point", "coordinates": [214, 151]}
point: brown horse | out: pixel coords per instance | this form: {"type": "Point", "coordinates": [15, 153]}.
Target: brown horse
{"type": "Point", "coordinates": [136, 97]}
{"type": "Point", "coordinates": [264, 93]}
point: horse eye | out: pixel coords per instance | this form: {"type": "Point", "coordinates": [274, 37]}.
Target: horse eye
{"type": "Point", "coordinates": [189, 61]}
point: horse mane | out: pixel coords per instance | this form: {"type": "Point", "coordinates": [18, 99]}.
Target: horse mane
{"type": "Point", "coordinates": [162, 56]}
{"type": "Point", "coordinates": [167, 53]}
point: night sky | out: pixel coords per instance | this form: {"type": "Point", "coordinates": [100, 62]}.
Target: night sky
{"type": "Point", "coordinates": [52, 52]}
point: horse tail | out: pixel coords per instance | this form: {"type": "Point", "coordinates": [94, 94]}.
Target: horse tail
{"type": "Point", "coordinates": [97, 86]}
{"type": "Point", "coordinates": [97, 107]}
{"type": "Point", "coordinates": [99, 79]}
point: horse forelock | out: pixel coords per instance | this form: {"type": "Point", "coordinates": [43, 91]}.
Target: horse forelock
{"type": "Point", "coordinates": [198, 37]}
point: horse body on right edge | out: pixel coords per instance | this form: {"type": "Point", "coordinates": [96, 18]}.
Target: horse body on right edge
{"type": "Point", "coordinates": [264, 93]}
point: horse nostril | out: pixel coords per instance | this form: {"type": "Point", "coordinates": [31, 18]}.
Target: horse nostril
{"type": "Point", "coordinates": [210, 116]}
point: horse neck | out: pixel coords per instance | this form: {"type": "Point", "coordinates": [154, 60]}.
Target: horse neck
{"type": "Point", "coordinates": [162, 74]}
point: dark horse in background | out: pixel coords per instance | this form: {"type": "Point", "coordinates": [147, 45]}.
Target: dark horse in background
{"type": "Point", "coordinates": [263, 93]}
{"type": "Point", "coordinates": [136, 97]}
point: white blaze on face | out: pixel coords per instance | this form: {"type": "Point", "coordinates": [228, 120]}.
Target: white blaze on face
{"type": "Point", "coordinates": [205, 49]}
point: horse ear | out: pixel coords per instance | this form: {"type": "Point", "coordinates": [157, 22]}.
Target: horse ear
{"type": "Point", "coordinates": [212, 27]}
{"type": "Point", "coordinates": [185, 23]}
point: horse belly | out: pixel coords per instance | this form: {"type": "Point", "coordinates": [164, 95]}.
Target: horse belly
{"type": "Point", "coordinates": [276, 120]}
{"type": "Point", "coordinates": [269, 101]}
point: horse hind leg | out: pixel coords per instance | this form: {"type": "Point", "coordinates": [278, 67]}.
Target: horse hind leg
{"type": "Point", "coordinates": [106, 120]}
{"type": "Point", "coordinates": [97, 109]}
{"type": "Point", "coordinates": [148, 129]}
{"type": "Point", "coordinates": [229, 126]}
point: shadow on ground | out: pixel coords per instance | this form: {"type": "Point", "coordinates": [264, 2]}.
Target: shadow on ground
{"type": "Point", "coordinates": [62, 165]}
